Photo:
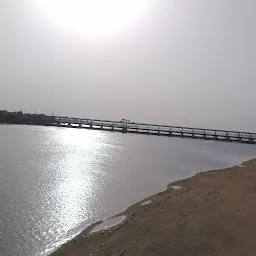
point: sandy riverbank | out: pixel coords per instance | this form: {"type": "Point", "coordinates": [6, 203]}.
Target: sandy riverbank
{"type": "Point", "coordinates": [212, 214]}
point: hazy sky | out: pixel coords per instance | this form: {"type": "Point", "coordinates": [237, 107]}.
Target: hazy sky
{"type": "Point", "coordinates": [182, 62]}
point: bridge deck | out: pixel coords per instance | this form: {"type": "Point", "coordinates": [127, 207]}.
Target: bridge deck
{"type": "Point", "coordinates": [160, 130]}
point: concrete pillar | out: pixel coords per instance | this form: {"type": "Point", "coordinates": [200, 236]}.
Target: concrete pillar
{"type": "Point", "coordinates": [193, 133]}
{"type": "Point", "coordinates": [205, 135]}
{"type": "Point", "coordinates": [227, 137]}
{"type": "Point", "coordinates": [58, 122]}
{"type": "Point", "coordinates": [170, 132]}
{"type": "Point", "coordinates": [124, 129]}
{"type": "Point", "coordinates": [251, 139]}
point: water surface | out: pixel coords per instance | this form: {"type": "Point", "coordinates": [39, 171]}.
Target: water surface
{"type": "Point", "coordinates": [56, 181]}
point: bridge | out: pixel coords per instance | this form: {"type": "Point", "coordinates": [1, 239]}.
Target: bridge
{"type": "Point", "coordinates": [153, 129]}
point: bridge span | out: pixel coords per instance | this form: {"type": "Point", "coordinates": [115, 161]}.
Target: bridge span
{"type": "Point", "coordinates": [154, 129]}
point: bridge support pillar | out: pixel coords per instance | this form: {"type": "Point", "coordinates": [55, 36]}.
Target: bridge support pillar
{"type": "Point", "coordinates": [228, 138]}
{"type": "Point", "coordinates": [193, 133]}
{"type": "Point", "coordinates": [239, 137]}
{"type": "Point", "coordinates": [159, 129]}
{"type": "Point", "coordinates": [58, 122]}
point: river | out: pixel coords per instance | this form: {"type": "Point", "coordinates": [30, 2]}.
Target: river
{"type": "Point", "coordinates": [54, 181]}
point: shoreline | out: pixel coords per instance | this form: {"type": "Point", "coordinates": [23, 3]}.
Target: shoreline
{"type": "Point", "coordinates": [87, 242]}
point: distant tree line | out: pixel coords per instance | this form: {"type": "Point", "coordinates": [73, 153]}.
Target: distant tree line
{"type": "Point", "coordinates": [18, 117]}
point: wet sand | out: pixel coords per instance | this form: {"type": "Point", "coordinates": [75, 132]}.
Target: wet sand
{"type": "Point", "coordinates": [213, 213]}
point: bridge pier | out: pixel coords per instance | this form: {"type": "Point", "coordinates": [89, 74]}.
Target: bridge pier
{"type": "Point", "coordinates": [193, 134]}
{"type": "Point", "coordinates": [124, 129]}
{"type": "Point", "coordinates": [251, 139]}
{"type": "Point", "coordinates": [228, 137]}
{"type": "Point", "coordinates": [182, 133]}
{"type": "Point", "coordinates": [239, 138]}
{"type": "Point", "coordinates": [58, 122]}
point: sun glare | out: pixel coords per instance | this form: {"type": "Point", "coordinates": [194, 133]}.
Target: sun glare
{"type": "Point", "coordinates": [93, 17]}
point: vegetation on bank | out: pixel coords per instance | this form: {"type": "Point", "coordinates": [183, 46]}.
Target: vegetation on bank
{"type": "Point", "coordinates": [18, 117]}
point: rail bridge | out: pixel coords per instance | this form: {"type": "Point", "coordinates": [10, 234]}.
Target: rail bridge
{"type": "Point", "coordinates": [154, 129]}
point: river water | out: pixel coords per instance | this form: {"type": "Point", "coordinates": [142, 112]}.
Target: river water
{"type": "Point", "coordinates": [54, 182]}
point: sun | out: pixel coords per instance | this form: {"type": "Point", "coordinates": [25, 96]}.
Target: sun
{"type": "Point", "coordinates": [93, 17]}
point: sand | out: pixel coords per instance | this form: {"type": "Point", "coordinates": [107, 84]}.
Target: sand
{"type": "Point", "coordinates": [212, 213]}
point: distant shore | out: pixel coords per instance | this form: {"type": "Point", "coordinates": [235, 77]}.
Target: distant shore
{"type": "Point", "coordinates": [18, 117]}
{"type": "Point", "coordinates": [212, 213]}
